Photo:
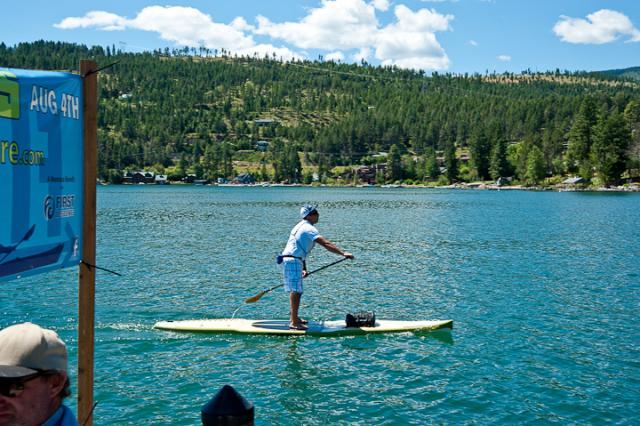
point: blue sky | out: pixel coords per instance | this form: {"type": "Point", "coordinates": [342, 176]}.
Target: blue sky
{"type": "Point", "coordinates": [443, 35]}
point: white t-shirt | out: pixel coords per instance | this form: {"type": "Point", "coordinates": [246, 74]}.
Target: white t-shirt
{"type": "Point", "coordinates": [301, 240]}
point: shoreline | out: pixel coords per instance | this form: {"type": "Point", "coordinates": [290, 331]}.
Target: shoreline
{"type": "Point", "coordinates": [462, 186]}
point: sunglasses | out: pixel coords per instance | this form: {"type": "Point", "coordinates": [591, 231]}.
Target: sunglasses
{"type": "Point", "coordinates": [13, 387]}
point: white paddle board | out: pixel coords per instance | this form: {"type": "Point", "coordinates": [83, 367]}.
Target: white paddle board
{"type": "Point", "coordinates": [281, 327]}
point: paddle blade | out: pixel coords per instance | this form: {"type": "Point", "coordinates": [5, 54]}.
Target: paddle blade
{"type": "Point", "coordinates": [255, 298]}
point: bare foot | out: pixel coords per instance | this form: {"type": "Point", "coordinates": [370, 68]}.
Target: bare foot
{"type": "Point", "coordinates": [299, 326]}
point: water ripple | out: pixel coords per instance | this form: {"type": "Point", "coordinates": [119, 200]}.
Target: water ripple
{"type": "Point", "coordinates": [543, 288]}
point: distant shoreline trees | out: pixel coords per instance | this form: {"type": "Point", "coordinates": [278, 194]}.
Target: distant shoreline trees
{"type": "Point", "coordinates": [190, 111]}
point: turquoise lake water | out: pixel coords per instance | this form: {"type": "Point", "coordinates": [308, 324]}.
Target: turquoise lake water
{"type": "Point", "coordinates": [543, 288]}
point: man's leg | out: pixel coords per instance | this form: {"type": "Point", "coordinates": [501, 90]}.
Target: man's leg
{"type": "Point", "coordinates": [293, 284]}
{"type": "Point", "coordinates": [294, 299]}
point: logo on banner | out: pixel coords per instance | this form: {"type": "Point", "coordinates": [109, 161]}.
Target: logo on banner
{"type": "Point", "coordinates": [9, 95]}
{"type": "Point", "coordinates": [59, 206]}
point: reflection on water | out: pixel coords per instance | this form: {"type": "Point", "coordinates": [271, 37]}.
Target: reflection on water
{"type": "Point", "coordinates": [441, 336]}
{"type": "Point", "coordinates": [298, 379]}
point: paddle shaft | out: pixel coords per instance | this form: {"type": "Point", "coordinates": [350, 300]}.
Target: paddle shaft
{"type": "Point", "coordinates": [326, 266]}
{"type": "Point", "coordinates": [262, 293]}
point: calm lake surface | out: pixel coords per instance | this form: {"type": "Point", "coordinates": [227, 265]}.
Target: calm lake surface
{"type": "Point", "coordinates": [543, 288]}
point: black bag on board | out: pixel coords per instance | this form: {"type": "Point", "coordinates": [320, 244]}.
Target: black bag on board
{"type": "Point", "coordinates": [361, 319]}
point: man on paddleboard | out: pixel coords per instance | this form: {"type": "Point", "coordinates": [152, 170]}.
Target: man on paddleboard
{"type": "Point", "coordinates": [301, 241]}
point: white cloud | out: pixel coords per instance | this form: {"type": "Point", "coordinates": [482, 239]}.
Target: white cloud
{"type": "Point", "coordinates": [603, 26]}
{"type": "Point", "coordinates": [190, 27]}
{"type": "Point", "coordinates": [362, 55]}
{"type": "Point", "coordinates": [409, 42]}
{"type": "Point", "coordinates": [184, 26]}
{"type": "Point", "coordinates": [241, 24]}
{"type": "Point", "coordinates": [382, 5]}
{"type": "Point", "coordinates": [334, 56]}
{"type": "Point", "coordinates": [337, 24]}
{"type": "Point", "coordinates": [95, 19]}
{"type": "Point", "coordinates": [504, 58]}
{"type": "Point", "coordinates": [422, 20]}
{"type": "Point", "coordinates": [473, 43]}
{"type": "Point", "coordinates": [339, 27]}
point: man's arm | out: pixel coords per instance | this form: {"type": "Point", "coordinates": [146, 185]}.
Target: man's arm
{"type": "Point", "coordinates": [332, 247]}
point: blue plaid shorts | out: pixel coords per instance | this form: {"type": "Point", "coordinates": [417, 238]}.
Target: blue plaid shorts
{"type": "Point", "coordinates": [292, 270]}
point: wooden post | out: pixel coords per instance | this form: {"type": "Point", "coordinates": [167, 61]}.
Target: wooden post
{"type": "Point", "coordinates": [87, 275]}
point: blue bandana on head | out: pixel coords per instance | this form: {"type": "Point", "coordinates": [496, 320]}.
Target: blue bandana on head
{"type": "Point", "coordinates": [306, 210]}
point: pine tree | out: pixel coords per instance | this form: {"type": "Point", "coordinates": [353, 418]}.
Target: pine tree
{"type": "Point", "coordinates": [183, 165]}
{"type": "Point", "coordinates": [394, 167]}
{"type": "Point", "coordinates": [499, 166]}
{"type": "Point", "coordinates": [535, 166]}
{"type": "Point", "coordinates": [609, 150]}
{"type": "Point", "coordinates": [581, 138]}
{"type": "Point", "coordinates": [480, 148]}
{"type": "Point", "coordinates": [517, 158]}
{"type": "Point", "coordinates": [432, 171]}
{"type": "Point", "coordinates": [227, 160]}
{"type": "Point", "coordinates": [264, 175]}
{"type": "Point", "coordinates": [292, 168]}
{"type": "Point", "coordinates": [632, 115]}
{"type": "Point", "coordinates": [451, 162]}
{"type": "Point", "coordinates": [211, 163]}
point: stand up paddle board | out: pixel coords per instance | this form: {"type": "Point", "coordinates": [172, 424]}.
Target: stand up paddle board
{"type": "Point", "coordinates": [281, 327]}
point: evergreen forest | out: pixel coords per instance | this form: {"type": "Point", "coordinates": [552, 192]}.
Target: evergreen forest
{"type": "Point", "coordinates": [213, 115]}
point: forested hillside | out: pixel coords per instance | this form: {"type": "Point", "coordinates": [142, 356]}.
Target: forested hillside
{"type": "Point", "coordinates": [628, 73]}
{"type": "Point", "coordinates": [203, 111]}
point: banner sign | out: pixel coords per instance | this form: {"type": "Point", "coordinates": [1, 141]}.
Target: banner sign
{"type": "Point", "coordinates": [41, 171]}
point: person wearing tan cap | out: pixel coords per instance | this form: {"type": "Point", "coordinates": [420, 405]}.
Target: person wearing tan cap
{"type": "Point", "coordinates": [33, 377]}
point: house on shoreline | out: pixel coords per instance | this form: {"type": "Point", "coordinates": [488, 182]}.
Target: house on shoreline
{"type": "Point", "coordinates": [161, 180]}
{"type": "Point", "coordinates": [139, 177]}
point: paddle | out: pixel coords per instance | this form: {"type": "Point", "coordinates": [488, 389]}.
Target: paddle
{"type": "Point", "coordinates": [263, 292]}
{"type": "Point", "coordinates": [7, 250]}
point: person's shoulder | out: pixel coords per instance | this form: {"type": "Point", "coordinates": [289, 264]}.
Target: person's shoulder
{"type": "Point", "coordinates": [68, 418]}
{"type": "Point", "coordinates": [63, 416]}
{"type": "Point", "coordinates": [313, 229]}
{"type": "Point", "coordinates": [308, 227]}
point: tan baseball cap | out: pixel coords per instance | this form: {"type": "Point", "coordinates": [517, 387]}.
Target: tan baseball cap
{"type": "Point", "coordinates": [26, 348]}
